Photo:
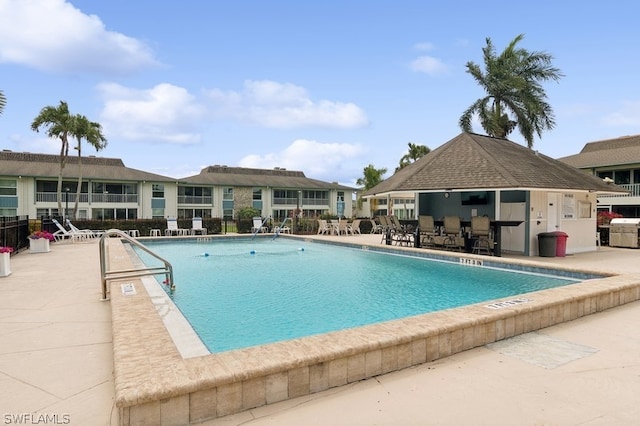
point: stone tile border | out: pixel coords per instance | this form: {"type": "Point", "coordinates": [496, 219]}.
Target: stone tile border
{"type": "Point", "coordinates": [155, 385]}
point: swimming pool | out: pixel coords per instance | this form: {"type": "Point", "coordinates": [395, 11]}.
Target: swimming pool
{"type": "Point", "coordinates": [240, 293]}
{"type": "Point", "coordinates": [155, 380]}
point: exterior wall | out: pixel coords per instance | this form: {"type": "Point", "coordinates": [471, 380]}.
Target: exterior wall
{"type": "Point", "coordinates": [243, 197]}
{"type": "Point", "coordinates": [581, 230]}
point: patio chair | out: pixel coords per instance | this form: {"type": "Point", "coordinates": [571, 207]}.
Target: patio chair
{"type": "Point", "coordinates": [323, 227]}
{"type": "Point", "coordinates": [196, 226]}
{"type": "Point", "coordinates": [258, 225]}
{"type": "Point", "coordinates": [481, 232]}
{"type": "Point", "coordinates": [341, 227]}
{"type": "Point", "coordinates": [427, 231]}
{"type": "Point", "coordinates": [354, 227]}
{"type": "Point", "coordinates": [452, 230]}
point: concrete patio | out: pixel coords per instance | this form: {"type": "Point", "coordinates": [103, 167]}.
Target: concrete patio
{"type": "Point", "coordinates": [56, 361]}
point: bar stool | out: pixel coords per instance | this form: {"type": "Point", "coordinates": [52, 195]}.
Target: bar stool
{"type": "Point", "coordinates": [154, 233]}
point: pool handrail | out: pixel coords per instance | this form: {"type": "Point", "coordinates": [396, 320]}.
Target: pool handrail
{"type": "Point", "coordinates": [105, 275]}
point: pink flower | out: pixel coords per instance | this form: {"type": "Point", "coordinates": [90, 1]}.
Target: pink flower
{"type": "Point", "coordinates": [42, 234]}
{"type": "Point", "coordinates": [4, 249]}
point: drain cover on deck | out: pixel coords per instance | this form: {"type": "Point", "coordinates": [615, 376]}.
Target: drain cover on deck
{"type": "Point", "coordinates": [541, 350]}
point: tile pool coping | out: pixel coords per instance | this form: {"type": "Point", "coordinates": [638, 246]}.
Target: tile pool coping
{"type": "Point", "coordinates": [154, 384]}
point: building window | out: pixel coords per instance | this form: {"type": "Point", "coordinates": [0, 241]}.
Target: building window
{"type": "Point", "coordinates": [622, 177]}
{"type": "Point", "coordinates": [110, 214]}
{"type": "Point", "coordinates": [157, 190]}
{"type": "Point", "coordinates": [8, 187]}
{"type": "Point", "coordinates": [315, 198]}
{"type": "Point", "coordinates": [227, 193]}
{"type": "Point", "coordinates": [191, 213]}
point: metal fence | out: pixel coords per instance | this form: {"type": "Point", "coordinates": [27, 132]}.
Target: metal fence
{"type": "Point", "coordinates": [14, 231]}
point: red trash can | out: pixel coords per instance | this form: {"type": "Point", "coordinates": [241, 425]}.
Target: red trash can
{"type": "Point", "coordinates": [561, 243]}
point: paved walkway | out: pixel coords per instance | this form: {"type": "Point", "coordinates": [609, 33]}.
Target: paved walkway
{"type": "Point", "coordinates": [56, 362]}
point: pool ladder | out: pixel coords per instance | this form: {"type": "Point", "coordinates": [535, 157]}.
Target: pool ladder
{"type": "Point", "coordinates": [167, 269]}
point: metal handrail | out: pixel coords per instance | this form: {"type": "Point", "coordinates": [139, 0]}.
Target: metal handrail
{"type": "Point", "coordinates": [167, 269]}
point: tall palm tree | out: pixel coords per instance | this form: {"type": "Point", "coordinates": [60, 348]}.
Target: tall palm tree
{"type": "Point", "coordinates": [3, 101]}
{"type": "Point", "coordinates": [371, 178]}
{"type": "Point", "coordinates": [514, 94]}
{"type": "Point", "coordinates": [415, 153]}
{"type": "Point", "coordinates": [59, 123]}
{"type": "Point", "coordinates": [92, 133]}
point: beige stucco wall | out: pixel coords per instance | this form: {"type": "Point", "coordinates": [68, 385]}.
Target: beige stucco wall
{"type": "Point", "coordinates": [581, 231]}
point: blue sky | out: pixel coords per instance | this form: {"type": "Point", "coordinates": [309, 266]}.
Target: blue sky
{"type": "Point", "coordinates": [325, 87]}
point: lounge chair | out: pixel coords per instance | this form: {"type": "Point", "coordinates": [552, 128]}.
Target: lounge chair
{"type": "Point", "coordinates": [88, 232]}
{"type": "Point", "coordinates": [376, 227]}
{"type": "Point", "coordinates": [172, 227]}
{"type": "Point", "coordinates": [62, 233]}
{"type": "Point", "coordinates": [282, 228]}
{"type": "Point", "coordinates": [196, 226]}
{"type": "Point", "coordinates": [258, 225]}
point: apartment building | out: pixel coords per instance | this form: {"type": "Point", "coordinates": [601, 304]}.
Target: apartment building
{"type": "Point", "coordinates": [110, 190]}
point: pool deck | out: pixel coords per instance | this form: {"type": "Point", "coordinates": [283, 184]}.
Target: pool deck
{"type": "Point", "coordinates": [56, 360]}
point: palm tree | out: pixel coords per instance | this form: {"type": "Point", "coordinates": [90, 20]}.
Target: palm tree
{"type": "Point", "coordinates": [371, 178]}
{"type": "Point", "coordinates": [415, 153]}
{"type": "Point", "coordinates": [92, 132]}
{"type": "Point", "coordinates": [514, 94]}
{"type": "Point", "coordinates": [3, 101]}
{"type": "Point", "coordinates": [59, 124]}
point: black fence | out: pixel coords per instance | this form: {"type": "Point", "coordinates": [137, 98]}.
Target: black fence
{"type": "Point", "coordinates": [14, 231]}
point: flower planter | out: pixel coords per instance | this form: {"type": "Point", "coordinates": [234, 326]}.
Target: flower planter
{"type": "Point", "coordinates": [39, 245]}
{"type": "Point", "coordinates": [5, 264]}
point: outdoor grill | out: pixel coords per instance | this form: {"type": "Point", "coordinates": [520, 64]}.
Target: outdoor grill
{"type": "Point", "coordinates": [624, 232]}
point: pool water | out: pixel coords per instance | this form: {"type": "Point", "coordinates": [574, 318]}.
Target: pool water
{"type": "Point", "coordinates": [244, 293]}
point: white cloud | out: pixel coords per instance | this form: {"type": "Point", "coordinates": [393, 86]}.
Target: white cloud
{"type": "Point", "coordinates": [323, 161]}
{"type": "Point", "coordinates": [53, 35]}
{"type": "Point", "coordinates": [628, 115]}
{"type": "Point", "coordinates": [428, 65]}
{"type": "Point", "coordinates": [164, 113]}
{"type": "Point", "coordinates": [276, 105]}
{"type": "Point", "coordinates": [424, 46]}
{"type": "Point", "coordinates": [40, 143]}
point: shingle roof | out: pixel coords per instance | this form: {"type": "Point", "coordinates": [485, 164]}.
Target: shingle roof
{"type": "Point", "coordinates": [471, 161]}
{"type": "Point", "coordinates": [610, 152]}
{"type": "Point", "coordinates": [242, 176]}
{"type": "Point", "coordinates": [48, 166]}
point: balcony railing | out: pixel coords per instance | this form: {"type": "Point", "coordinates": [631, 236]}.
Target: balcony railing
{"type": "Point", "coordinates": [633, 188]}
{"type": "Point", "coordinates": [114, 198]}
{"type": "Point", "coordinates": [195, 199]}
{"type": "Point", "coordinates": [52, 197]}
{"type": "Point", "coordinates": [304, 202]}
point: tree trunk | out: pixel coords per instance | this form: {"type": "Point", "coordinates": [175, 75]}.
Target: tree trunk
{"type": "Point", "coordinates": [79, 188]}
